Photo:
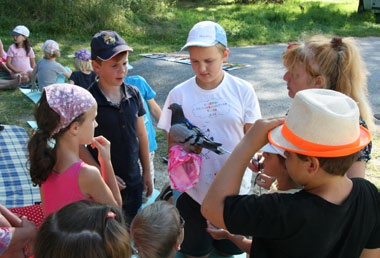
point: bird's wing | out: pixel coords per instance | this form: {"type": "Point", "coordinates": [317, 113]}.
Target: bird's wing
{"type": "Point", "coordinates": [182, 134]}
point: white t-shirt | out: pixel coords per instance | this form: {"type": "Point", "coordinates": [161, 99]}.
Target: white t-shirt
{"type": "Point", "coordinates": [221, 114]}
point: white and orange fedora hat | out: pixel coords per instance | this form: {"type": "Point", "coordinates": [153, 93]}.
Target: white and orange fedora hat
{"type": "Point", "coordinates": [321, 123]}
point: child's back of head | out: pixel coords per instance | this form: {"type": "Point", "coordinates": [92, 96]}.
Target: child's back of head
{"type": "Point", "coordinates": [82, 60]}
{"type": "Point", "coordinates": [51, 49]}
{"type": "Point", "coordinates": [157, 230]}
{"type": "Point", "coordinates": [83, 229]}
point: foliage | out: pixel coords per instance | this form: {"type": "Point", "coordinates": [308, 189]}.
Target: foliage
{"type": "Point", "coordinates": [162, 26]}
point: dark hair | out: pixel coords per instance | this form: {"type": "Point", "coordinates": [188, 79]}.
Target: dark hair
{"type": "Point", "coordinates": [42, 156]}
{"type": "Point", "coordinates": [335, 166]}
{"type": "Point", "coordinates": [27, 45]}
{"type": "Point", "coordinates": [85, 229]}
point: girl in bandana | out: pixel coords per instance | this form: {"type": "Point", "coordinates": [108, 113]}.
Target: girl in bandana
{"type": "Point", "coordinates": [65, 117]}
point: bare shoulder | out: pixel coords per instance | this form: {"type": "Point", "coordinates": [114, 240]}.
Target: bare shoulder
{"type": "Point", "coordinates": [89, 171]}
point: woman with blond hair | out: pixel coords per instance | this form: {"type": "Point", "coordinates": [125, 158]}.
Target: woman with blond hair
{"type": "Point", "coordinates": [336, 64]}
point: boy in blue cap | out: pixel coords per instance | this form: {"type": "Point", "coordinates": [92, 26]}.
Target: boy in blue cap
{"type": "Point", "coordinates": [120, 119]}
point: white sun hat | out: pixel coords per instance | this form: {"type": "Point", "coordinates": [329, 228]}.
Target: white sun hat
{"type": "Point", "coordinates": [321, 123]}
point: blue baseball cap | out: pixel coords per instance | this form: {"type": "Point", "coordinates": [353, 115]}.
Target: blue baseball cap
{"type": "Point", "coordinates": [107, 44]}
{"type": "Point", "coordinates": [206, 34]}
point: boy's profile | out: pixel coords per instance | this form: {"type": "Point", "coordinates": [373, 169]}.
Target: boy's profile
{"type": "Point", "coordinates": [333, 216]}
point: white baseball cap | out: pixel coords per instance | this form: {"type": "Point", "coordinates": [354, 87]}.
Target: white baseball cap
{"type": "Point", "coordinates": [50, 46]}
{"type": "Point", "coordinates": [20, 30]}
{"type": "Point", "coordinates": [273, 149]}
{"type": "Point", "coordinates": [205, 34]}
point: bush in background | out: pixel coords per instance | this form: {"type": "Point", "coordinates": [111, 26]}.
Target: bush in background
{"type": "Point", "coordinates": [57, 17]}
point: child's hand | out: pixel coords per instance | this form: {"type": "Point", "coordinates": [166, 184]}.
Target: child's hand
{"type": "Point", "coordinates": [103, 146]}
{"type": "Point", "coordinates": [256, 164]}
{"type": "Point", "coordinates": [120, 183]}
{"type": "Point", "coordinates": [29, 251]}
{"type": "Point", "coordinates": [147, 184]}
{"type": "Point", "coordinates": [264, 180]}
{"type": "Point", "coordinates": [217, 233]}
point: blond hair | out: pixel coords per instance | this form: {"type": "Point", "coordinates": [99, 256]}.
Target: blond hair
{"type": "Point", "coordinates": [82, 65]}
{"type": "Point", "coordinates": [156, 229]}
{"type": "Point", "coordinates": [340, 63]}
{"type": "Point", "coordinates": [55, 54]}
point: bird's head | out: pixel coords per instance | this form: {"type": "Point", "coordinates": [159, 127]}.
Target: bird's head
{"type": "Point", "coordinates": [175, 106]}
{"type": "Point", "coordinates": [177, 113]}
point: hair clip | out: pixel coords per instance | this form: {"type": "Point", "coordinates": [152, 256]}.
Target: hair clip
{"type": "Point", "coordinates": [336, 43]}
{"type": "Point", "coordinates": [111, 215]}
{"type": "Point", "coordinates": [291, 45]}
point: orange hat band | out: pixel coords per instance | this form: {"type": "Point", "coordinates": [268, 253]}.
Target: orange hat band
{"type": "Point", "coordinates": [315, 147]}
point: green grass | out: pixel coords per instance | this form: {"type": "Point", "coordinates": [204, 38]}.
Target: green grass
{"type": "Point", "coordinates": [167, 31]}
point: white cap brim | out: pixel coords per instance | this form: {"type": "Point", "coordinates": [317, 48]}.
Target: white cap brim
{"type": "Point", "coordinates": [273, 149]}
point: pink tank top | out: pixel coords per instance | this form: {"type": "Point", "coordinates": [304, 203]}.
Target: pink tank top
{"type": "Point", "coordinates": [61, 189]}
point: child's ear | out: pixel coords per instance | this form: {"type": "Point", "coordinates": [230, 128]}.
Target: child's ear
{"type": "Point", "coordinates": [320, 82]}
{"type": "Point", "coordinates": [313, 165]}
{"type": "Point", "coordinates": [74, 128]}
{"type": "Point", "coordinates": [225, 54]}
{"type": "Point", "coordinates": [95, 66]}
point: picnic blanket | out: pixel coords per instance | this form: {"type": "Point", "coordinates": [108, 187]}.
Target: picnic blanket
{"type": "Point", "coordinates": [33, 95]}
{"type": "Point", "coordinates": [16, 188]}
{"type": "Point", "coordinates": [185, 59]}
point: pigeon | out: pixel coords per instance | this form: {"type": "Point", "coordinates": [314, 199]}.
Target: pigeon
{"type": "Point", "coordinates": [184, 132]}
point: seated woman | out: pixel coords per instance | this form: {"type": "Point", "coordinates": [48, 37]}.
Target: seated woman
{"type": "Point", "coordinates": [157, 231]}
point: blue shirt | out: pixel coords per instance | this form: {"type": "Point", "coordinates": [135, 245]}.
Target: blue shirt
{"type": "Point", "coordinates": [147, 93]}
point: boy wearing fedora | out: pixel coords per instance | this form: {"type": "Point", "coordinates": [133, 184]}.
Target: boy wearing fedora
{"type": "Point", "coordinates": [333, 216]}
{"type": "Point", "coordinates": [120, 119]}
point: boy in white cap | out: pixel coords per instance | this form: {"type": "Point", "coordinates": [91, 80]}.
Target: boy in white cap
{"type": "Point", "coordinates": [48, 70]}
{"type": "Point", "coordinates": [223, 107]}
{"type": "Point", "coordinates": [333, 216]}
{"type": "Point", "coordinates": [120, 119]}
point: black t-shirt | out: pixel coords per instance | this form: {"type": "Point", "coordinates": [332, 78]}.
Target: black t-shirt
{"type": "Point", "coordinates": [82, 79]}
{"type": "Point", "coordinates": [305, 225]}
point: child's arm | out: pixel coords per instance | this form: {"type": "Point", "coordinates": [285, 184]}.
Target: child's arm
{"type": "Point", "coordinates": [144, 155]}
{"type": "Point", "coordinates": [34, 77]}
{"type": "Point", "coordinates": [154, 108]}
{"type": "Point", "coordinates": [22, 236]}
{"type": "Point", "coordinates": [102, 187]}
{"type": "Point", "coordinates": [233, 170]}
{"type": "Point", "coordinates": [12, 218]}
{"type": "Point", "coordinates": [370, 253]}
{"type": "Point", "coordinates": [240, 241]}
{"type": "Point", "coordinates": [67, 74]}
{"type": "Point", "coordinates": [10, 66]}
{"type": "Point", "coordinates": [32, 62]}
{"type": "Point", "coordinates": [2, 52]}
